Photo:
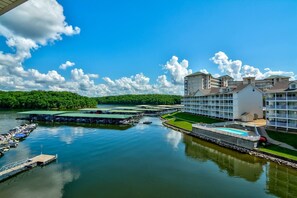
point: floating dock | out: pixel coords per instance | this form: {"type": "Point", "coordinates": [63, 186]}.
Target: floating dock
{"type": "Point", "coordinates": [15, 168]}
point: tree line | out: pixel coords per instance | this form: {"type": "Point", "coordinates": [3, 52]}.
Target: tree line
{"type": "Point", "coordinates": [44, 100]}
{"type": "Point", "coordinates": [152, 99]}
{"type": "Point", "coordinates": [69, 100]}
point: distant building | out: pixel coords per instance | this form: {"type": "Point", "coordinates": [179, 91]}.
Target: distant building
{"type": "Point", "coordinates": [264, 84]}
{"type": "Point", "coordinates": [281, 106]}
{"type": "Point", "coordinates": [221, 97]}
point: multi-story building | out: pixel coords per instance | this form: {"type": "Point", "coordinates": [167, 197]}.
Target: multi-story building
{"type": "Point", "coordinates": [199, 80]}
{"type": "Point", "coordinates": [281, 106]}
{"type": "Point", "coordinates": [264, 84]}
{"type": "Point", "coordinates": [214, 97]}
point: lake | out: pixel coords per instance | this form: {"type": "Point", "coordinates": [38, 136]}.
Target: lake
{"type": "Point", "coordinates": [144, 161]}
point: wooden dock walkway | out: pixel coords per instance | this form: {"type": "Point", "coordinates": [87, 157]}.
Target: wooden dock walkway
{"type": "Point", "coordinates": [15, 168]}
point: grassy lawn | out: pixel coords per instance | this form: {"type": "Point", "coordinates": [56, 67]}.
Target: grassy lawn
{"type": "Point", "coordinates": [185, 120]}
{"type": "Point", "coordinates": [287, 138]}
{"type": "Point", "coordinates": [191, 118]}
{"type": "Point", "coordinates": [181, 124]}
{"type": "Point", "coordinates": [280, 151]}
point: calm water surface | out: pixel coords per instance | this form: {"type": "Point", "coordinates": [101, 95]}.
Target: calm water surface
{"type": "Point", "coordinates": [141, 161]}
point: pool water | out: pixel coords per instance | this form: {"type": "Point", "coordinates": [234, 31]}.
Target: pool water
{"type": "Point", "coordinates": [234, 131]}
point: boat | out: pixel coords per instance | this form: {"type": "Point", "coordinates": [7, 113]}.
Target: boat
{"type": "Point", "coordinates": [20, 136]}
{"type": "Point", "coordinates": [147, 122]}
{"type": "Point", "coordinates": [13, 144]}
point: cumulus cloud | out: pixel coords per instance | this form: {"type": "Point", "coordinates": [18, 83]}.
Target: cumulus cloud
{"type": "Point", "coordinates": [66, 65]}
{"type": "Point", "coordinates": [38, 21]}
{"type": "Point", "coordinates": [50, 25]}
{"type": "Point", "coordinates": [177, 70]}
{"type": "Point", "coordinates": [204, 71]}
{"type": "Point", "coordinates": [237, 70]}
{"type": "Point", "coordinates": [26, 28]}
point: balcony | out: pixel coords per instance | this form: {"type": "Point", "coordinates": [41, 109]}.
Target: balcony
{"type": "Point", "coordinates": [292, 98]}
{"type": "Point", "coordinates": [294, 116]}
{"type": "Point", "coordinates": [273, 115]}
{"type": "Point", "coordinates": [292, 125]}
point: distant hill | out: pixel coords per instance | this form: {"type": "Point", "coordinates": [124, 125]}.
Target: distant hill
{"type": "Point", "coordinates": [153, 99]}
{"type": "Point", "coordinates": [44, 100]}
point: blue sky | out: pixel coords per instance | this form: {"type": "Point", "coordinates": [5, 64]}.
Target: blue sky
{"type": "Point", "coordinates": [124, 38]}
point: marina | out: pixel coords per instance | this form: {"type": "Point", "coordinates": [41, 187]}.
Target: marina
{"type": "Point", "coordinates": [116, 115]}
{"type": "Point", "coordinates": [12, 138]}
{"type": "Point", "coordinates": [92, 161]}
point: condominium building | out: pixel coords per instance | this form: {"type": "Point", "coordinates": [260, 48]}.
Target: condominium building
{"type": "Point", "coordinates": [214, 97]}
{"type": "Point", "coordinates": [264, 84]}
{"type": "Point", "coordinates": [281, 106]}
{"type": "Point", "coordinates": [199, 80]}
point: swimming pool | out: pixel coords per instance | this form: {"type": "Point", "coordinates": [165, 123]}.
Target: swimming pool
{"type": "Point", "coordinates": [234, 131]}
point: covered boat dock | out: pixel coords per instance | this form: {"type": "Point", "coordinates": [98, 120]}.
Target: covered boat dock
{"type": "Point", "coordinates": [41, 115]}
{"type": "Point", "coordinates": [95, 118]}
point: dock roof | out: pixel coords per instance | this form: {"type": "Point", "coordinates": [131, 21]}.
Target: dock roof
{"type": "Point", "coordinates": [125, 108]}
{"type": "Point", "coordinates": [38, 112]}
{"type": "Point", "coordinates": [124, 111]}
{"type": "Point", "coordinates": [90, 115]}
{"type": "Point", "coordinates": [94, 109]}
{"type": "Point", "coordinates": [140, 109]}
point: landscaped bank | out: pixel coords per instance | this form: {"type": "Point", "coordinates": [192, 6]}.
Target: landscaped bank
{"type": "Point", "coordinates": [183, 122]}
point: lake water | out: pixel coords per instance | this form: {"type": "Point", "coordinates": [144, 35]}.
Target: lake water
{"type": "Point", "coordinates": [141, 161]}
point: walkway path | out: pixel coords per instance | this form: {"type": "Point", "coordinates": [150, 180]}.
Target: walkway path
{"type": "Point", "coordinates": [263, 132]}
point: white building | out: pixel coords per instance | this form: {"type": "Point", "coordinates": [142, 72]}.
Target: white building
{"type": "Point", "coordinates": [281, 106]}
{"type": "Point", "coordinates": [209, 96]}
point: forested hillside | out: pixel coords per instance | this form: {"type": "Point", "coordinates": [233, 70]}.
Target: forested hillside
{"type": "Point", "coordinates": [44, 100]}
{"type": "Point", "coordinates": [153, 99]}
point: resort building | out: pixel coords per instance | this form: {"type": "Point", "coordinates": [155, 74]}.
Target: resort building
{"type": "Point", "coordinates": [281, 106]}
{"type": "Point", "coordinates": [264, 84]}
{"type": "Point", "coordinates": [215, 97]}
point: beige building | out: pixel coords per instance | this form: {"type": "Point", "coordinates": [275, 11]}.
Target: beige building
{"type": "Point", "coordinates": [215, 97]}
{"type": "Point", "coordinates": [281, 106]}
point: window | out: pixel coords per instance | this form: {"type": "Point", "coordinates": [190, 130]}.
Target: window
{"type": "Point", "coordinates": [293, 86]}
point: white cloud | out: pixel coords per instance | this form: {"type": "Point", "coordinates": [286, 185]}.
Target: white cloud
{"type": "Point", "coordinates": [204, 71]}
{"type": "Point", "coordinates": [23, 36]}
{"type": "Point", "coordinates": [38, 21]}
{"type": "Point", "coordinates": [26, 28]}
{"type": "Point", "coordinates": [177, 70]}
{"type": "Point", "coordinates": [66, 65]}
{"type": "Point", "coordinates": [237, 70]}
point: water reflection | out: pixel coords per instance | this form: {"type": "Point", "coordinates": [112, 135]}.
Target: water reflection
{"type": "Point", "coordinates": [281, 181]}
{"type": "Point", "coordinates": [46, 182]}
{"type": "Point", "coordinates": [174, 138]}
{"type": "Point", "coordinates": [236, 164]}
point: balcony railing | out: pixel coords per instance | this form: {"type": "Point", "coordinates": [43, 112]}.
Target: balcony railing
{"type": "Point", "coordinates": [282, 98]}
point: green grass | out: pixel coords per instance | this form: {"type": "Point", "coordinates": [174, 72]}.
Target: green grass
{"type": "Point", "coordinates": [180, 124]}
{"type": "Point", "coordinates": [280, 151]}
{"type": "Point", "coordinates": [191, 118]}
{"type": "Point", "coordinates": [185, 120]}
{"type": "Point", "coordinates": [287, 138]}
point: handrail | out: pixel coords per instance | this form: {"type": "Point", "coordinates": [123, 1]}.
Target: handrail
{"type": "Point", "coordinates": [12, 165]}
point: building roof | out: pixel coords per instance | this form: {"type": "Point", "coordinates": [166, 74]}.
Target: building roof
{"type": "Point", "coordinates": [6, 5]}
{"type": "Point", "coordinates": [279, 87]}
{"type": "Point", "coordinates": [124, 111]}
{"type": "Point", "coordinates": [215, 91]}
{"type": "Point", "coordinates": [94, 109]}
{"type": "Point", "coordinates": [197, 74]}
{"type": "Point", "coordinates": [126, 108]}
{"type": "Point", "coordinates": [89, 115]}
{"type": "Point", "coordinates": [225, 76]}
{"type": "Point", "coordinates": [42, 112]}
{"type": "Point", "coordinates": [276, 76]}
{"type": "Point", "coordinates": [143, 110]}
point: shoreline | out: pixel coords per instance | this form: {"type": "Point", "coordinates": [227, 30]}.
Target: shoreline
{"type": "Point", "coordinates": [256, 153]}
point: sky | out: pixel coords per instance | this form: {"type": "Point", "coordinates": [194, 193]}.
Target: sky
{"type": "Point", "coordinates": [99, 48]}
